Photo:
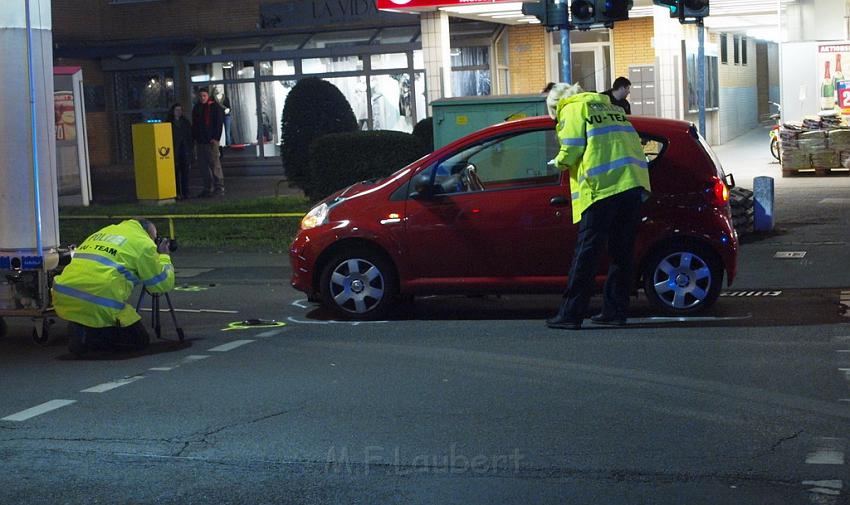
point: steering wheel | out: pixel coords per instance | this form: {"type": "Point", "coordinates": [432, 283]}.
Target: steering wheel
{"type": "Point", "coordinates": [470, 178]}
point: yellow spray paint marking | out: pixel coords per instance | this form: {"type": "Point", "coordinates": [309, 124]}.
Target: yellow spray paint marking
{"type": "Point", "coordinates": [253, 324]}
{"type": "Point", "coordinates": [191, 289]}
{"type": "Point", "coordinates": [462, 120]}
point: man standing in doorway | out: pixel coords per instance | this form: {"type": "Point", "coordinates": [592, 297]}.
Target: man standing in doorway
{"type": "Point", "coordinates": [618, 93]}
{"type": "Point", "coordinates": [608, 181]}
{"type": "Point", "coordinates": [207, 121]}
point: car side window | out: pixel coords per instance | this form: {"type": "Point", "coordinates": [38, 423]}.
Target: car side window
{"type": "Point", "coordinates": [508, 162]}
{"type": "Point", "coordinates": [652, 147]}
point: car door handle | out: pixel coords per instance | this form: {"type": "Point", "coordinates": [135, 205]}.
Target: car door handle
{"type": "Point", "coordinates": [559, 201]}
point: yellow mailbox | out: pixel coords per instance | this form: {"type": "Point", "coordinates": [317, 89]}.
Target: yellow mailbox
{"type": "Point", "coordinates": [153, 157]}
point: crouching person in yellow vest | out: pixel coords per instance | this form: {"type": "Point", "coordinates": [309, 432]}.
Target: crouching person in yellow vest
{"type": "Point", "coordinates": [93, 289]}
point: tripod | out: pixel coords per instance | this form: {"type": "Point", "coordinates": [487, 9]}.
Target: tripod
{"type": "Point", "coordinates": [155, 319]}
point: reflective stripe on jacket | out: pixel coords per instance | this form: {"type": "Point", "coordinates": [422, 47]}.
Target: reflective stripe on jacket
{"type": "Point", "coordinates": [600, 148]}
{"type": "Point", "coordinates": [93, 289]}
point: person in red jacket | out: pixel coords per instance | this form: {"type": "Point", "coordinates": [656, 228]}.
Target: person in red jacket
{"type": "Point", "coordinates": [207, 122]}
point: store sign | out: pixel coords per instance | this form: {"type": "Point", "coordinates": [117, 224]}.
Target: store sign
{"type": "Point", "coordinates": [430, 4]}
{"type": "Point", "coordinates": [320, 13]}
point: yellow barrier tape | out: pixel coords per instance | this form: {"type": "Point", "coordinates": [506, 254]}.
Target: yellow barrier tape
{"type": "Point", "coordinates": [194, 216]}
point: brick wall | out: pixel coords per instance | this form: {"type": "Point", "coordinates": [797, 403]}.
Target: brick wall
{"type": "Point", "coordinates": [632, 44]}
{"type": "Point", "coordinates": [527, 59]}
{"type": "Point", "coordinates": [94, 20]}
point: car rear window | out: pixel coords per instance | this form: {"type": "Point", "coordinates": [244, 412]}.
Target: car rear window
{"type": "Point", "coordinates": [653, 147]}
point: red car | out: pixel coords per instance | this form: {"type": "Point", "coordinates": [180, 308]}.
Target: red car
{"type": "Point", "coordinates": [487, 214]}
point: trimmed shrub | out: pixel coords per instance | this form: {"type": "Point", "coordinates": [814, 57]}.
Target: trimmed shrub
{"type": "Point", "coordinates": [424, 131]}
{"type": "Point", "coordinates": [341, 159]}
{"type": "Point", "coordinates": [313, 108]}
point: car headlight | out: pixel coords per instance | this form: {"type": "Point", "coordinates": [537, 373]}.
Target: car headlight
{"type": "Point", "coordinates": [317, 216]}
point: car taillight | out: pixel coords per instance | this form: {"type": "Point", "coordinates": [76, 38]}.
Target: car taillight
{"type": "Point", "coordinates": [718, 192]}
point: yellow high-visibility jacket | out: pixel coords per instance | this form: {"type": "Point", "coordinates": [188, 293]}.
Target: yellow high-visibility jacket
{"type": "Point", "coordinates": [600, 148]}
{"type": "Point", "coordinates": [93, 289]}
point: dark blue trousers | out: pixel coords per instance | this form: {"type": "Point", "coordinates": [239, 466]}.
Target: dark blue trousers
{"type": "Point", "coordinates": [612, 221]}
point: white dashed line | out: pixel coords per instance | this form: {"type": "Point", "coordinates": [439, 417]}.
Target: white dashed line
{"type": "Point", "coordinates": [38, 410]}
{"type": "Point", "coordinates": [269, 333]}
{"type": "Point", "coordinates": [230, 345]}
{"type": "Point", "coordinates": [171, 366]}
{"type": "Point", "coordinates": [827, 487]}
{"type": "Point", "coordinates": [109, 386]}
{"type": "Point", "coordinates": [829, 451]}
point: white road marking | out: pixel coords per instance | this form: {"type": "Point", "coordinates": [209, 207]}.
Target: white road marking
{"type": "Point", "coordinates": [352, 323]}
{"type": "Point", "coordinates": [109, 386]}
{"type": "Point", "coordinates": [842, 350]}
{"type": "Point", "coordinates": [661, 319]}
{"type": "Point", "coordinates": [171, 366]}
{"type": "Point", "coordinates": [269, 333]}
{"type": "Point", "coordinates": [790, 254]}
{"type": "Point", "coordinates": [301, 304]}
{"type": "Point", "coordinates": [230, 345]}
{"type": "Point", "coordinates": [829, 451]}
{"type": "Point", "coordinates": [827, 487]}
{"type": "Point", "coordinates": [835, 200]}
{"type": "Point", "coordinates": [38, 410]}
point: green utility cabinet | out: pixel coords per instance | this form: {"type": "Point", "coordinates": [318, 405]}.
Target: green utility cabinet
{"type": "Point", "coordinates": [457, 117]}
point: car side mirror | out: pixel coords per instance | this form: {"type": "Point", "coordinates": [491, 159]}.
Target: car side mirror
{"type": "Point", "coordinates": [422, 188]}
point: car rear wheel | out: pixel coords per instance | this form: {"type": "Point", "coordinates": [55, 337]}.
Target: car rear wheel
{"type": "Point", "coordinates": [359, 284]}
{"type": "Point", "coordinates": [682, 278]}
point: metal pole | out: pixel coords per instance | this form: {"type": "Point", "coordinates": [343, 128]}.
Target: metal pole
{"type": "Point", "coordinates": [565, 54]}
{"type": "Point", "coordinates": [701, 78]}
{"type": "Point", "coordinates": [34, 126]}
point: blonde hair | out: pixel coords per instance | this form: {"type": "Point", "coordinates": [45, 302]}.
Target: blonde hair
{"type": "Point", "coordinates": [558, 92]}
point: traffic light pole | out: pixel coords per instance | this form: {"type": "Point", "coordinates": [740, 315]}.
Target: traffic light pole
{"type": "Point", "coordinates": [701, 77]}
{"type": "Point", "coordinates": [565, 54]}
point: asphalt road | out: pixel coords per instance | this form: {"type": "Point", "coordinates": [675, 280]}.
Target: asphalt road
{"type": "Point", "coordinates": [454, 400]}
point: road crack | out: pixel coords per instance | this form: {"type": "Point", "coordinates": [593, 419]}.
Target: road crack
{"type": "Point", "coordinates": [785, 439]}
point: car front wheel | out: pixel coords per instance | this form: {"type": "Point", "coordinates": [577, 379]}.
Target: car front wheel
{"type": "Point", "coordinates": [682, 278]}
{"type": "Point", "coordinates": [359, 284]}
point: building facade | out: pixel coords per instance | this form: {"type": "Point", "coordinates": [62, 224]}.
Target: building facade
{"type": "Point", "coordinates": [141, 56]}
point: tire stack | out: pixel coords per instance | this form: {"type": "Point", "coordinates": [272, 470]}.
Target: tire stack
{"type": "Point", "coordinates": [741, 201]}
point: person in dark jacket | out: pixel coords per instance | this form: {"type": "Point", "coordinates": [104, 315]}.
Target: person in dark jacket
{"type": "Point", "coordinates": [207, 122]}
{"type": "Point", "coordinates": [181, 136]}
{"type": "Point", "coordinates": [618, 93]}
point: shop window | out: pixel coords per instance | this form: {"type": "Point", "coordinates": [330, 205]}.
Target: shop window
{"type": "Point", "coordinates": [743, 50]}
{"type": "Point", "coordinates": [140, 95]}
{"type": "Point", "coordinates": [333, 64]}
{"type": "Point", "coordinates": [712, 95]}
{"type": "Point", "coordinates": [283, 67]}
{"type": "Point", "coordinates": [418, 60]}
{"type": "Point", "coordinates": [392, 102]}
{"type": "Point", "coordinates": [421, 96]}
{"type": "Point", "coordinates": [724, 50]}
{"type": "Point", "coordinates": [471, 71]}
{"type": "Point", "coordinates": [389, 61]}
{"type": "Point", "coordinates": [286, 42]}
{"type": "Point", "coordinates": [736, 49]}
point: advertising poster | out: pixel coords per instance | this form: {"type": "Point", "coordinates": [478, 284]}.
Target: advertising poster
{"type": "Point", "coordinates": [834, 83]}
{"type": "Point", "coordinates": [63, 109]}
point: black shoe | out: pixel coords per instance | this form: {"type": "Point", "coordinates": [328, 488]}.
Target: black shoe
{"type": "Point", "coordinates": [560, 323]}
{"type": "Point", "coordinates": [608, 320]}
{"type": "Point", "coordinates": [218, 191]}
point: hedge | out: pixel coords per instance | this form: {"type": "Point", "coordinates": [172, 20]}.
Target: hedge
{"type": "Point", "coordinates": [341, 159]}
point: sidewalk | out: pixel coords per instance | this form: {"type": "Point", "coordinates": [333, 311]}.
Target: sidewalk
{"type": "Point", "coordinates": [748, 156]}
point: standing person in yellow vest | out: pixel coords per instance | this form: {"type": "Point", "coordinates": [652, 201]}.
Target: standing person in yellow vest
{"type": "Point", "coordinates": [608, 181]}
{"type": "Point", "coordinates": [93, 289]}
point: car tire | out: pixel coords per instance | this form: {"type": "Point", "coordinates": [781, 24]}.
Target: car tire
{"type": "Point", "coordinates": [682, 278]}
{"type": "Point", "coordinates": [359, 284]}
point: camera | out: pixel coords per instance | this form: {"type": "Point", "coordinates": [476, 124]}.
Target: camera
{"type": "Point", "coordinates": [172, 243]}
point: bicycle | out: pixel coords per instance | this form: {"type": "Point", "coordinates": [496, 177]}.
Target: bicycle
{"type": "Point", "coordinates": [774, 130]}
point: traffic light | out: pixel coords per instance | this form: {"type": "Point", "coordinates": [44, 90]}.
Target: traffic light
{"type": "Point", "coordinates": [583, 13]}
{"type": "Point", "coordinates": [550, 14]}
{"type": "Point", "coordinates": [685, 9]}
{"type": "Point", "coordinates": [599, 12]}
{"type": "Point", "coordinates": [697, 9]}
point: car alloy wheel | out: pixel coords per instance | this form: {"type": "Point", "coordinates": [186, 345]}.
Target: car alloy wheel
{"type": "Point", "coordinates": [682, 278]}
{"type": "Point", "coordinates": [359, 284]}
